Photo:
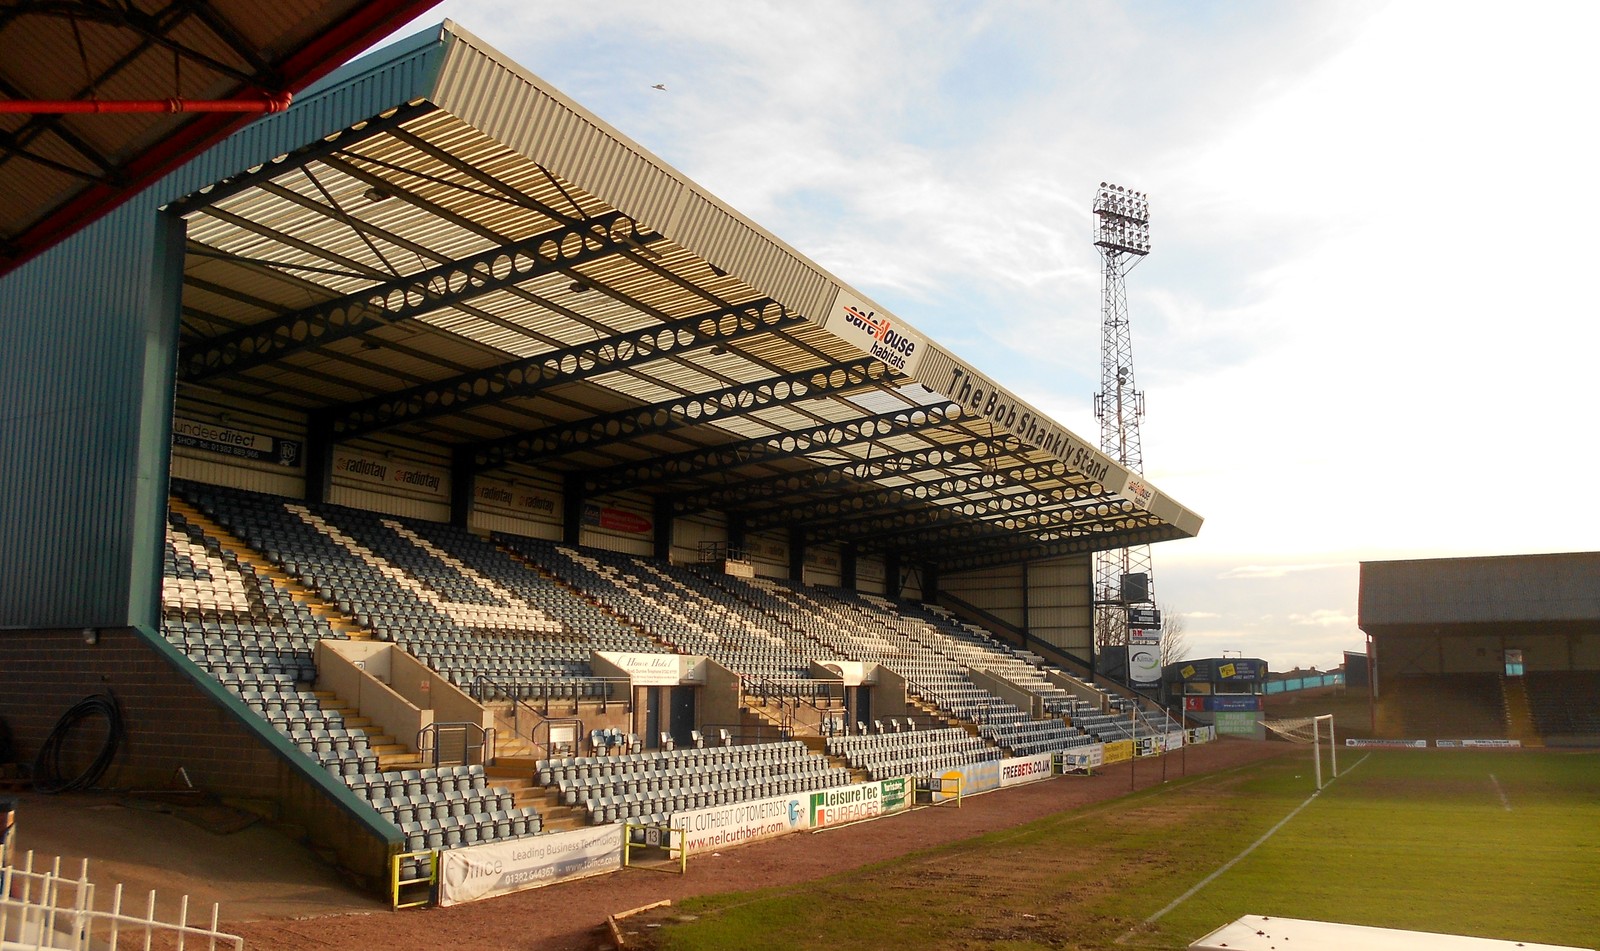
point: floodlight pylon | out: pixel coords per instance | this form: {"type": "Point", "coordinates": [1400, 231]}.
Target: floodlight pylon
{"type": "Point", "coordinates": [1122, 233]}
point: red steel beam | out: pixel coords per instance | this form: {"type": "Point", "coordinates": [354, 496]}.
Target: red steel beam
{"type": "Point", "coordinates": [269, 103]}
{"type": "Point", "coordinates": [366, 25]}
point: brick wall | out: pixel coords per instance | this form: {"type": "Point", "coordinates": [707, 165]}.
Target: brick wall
{"type": "Point", "coordinates": [170, 721]}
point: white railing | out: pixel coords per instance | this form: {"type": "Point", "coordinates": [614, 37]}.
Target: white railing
{"type": "Point", "coordinates": [43, 910]}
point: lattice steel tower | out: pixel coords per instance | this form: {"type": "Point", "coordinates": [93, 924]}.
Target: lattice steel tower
{"type": "Point", "coordinates": [1122, 233]}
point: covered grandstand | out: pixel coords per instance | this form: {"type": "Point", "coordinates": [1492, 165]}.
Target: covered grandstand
{"type": "Point", "coordinates": [440, 461]}
{"type": "Point", "coordinates": [1502, 648]}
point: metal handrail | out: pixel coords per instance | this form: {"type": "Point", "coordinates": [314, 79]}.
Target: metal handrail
{"type": "Point", "coordinates": [548, 745]}
{"type": "Point", "coordinates": [428, 746]}
{"type": "Point", "coordinates": [790, 699]}
{"type": "Point", "coordinates": [554, 689]}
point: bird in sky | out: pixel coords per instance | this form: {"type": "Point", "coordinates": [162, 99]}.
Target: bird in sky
{"type": "Point", "coordinates": [660, 86]}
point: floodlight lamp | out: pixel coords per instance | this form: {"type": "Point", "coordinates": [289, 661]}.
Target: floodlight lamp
{"type": "Point", "coordinates": [578, 287]}
{"type": "Point", "coordinates": [377, 193]}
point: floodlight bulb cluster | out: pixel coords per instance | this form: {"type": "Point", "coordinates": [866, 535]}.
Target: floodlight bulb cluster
{"type": "Point", "coordinates": [1123, 202]}
{"type": "Point", "coordinates": [1122, 219]}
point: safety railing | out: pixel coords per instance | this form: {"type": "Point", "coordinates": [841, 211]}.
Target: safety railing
{"type": "Point", "coordinates": [538, 696]}
{"type": "Point", "coordinates": [814, 704]}
{"type": "Point", "coordinates": [456, 744]}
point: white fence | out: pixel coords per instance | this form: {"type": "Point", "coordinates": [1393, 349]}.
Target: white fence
{"type": "Point", "coordinates": [43, 910]}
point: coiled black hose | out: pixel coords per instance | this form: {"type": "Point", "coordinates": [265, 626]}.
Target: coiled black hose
{"type": "Point", "coordinates": [47, 766]}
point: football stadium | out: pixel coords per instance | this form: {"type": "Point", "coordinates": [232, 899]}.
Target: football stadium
{"type": "Point", "coordinates": [554, 557]}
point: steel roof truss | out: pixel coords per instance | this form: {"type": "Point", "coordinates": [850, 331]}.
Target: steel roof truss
{"type": "Point", "coordinates": [405, 298]}
{"type": "Point", "coordinates": [690, 410]}
{"type": "Point", "coordinates": [527, 377]}
{"type": "Point", "coordinates": [730, 456]}
{"type": "Point", "coordinates": [859, 471]}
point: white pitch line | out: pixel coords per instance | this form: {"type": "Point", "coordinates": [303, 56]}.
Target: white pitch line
{"type": "Point", "coordinates": [1504, 801]}
{"type": "Point", "coordinates": [1236, 859]}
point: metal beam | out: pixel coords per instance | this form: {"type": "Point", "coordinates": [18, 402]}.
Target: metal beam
{"type": "Point", "coordinates": [301, 157]}
{"type": "Point", "coordinates": [731, 402]}
{"type": "Point", "coordinates": [411, 296]}
{"type": "Point", "coordinates": [990, 533]}
{"type": "Point", "coordinates": [978, 526]}
{"type": "Point", "coordinates": [981, 488]}
{"type": "Point", "coordinates": [922, 459]}
{"type": "Point", "coordinates": [833, 518]}
{"type": "Point", "coordinates": [1041, 551]}
{"type": "Point", "coordinates": [526, 377]}
{"type": "Point", "coordinates": [729, 456]}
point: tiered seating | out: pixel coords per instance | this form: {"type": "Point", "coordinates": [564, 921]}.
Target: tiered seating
{"type": "Point", "coordinates": [679, 608]}
{"type": "Point", "coordinates": [411, 583]}
{"type": "Point", "coordinates": [474, 609]}
{"type": "Point", "coordinates": [915, 753]}
{"type": "Point", "coordinates": [1025, 736]}
{"type": "Point", "coordinates": [260, 642]}
{"type": "Point", "coordinates": [1119, 725]}
{"type": "Point", "coordinates": [650, 786]}
{"type": "Point", "coordinates": [445, 807]}
{"type": "Point", "coordinates": [1564, 703]}
{"type": "Point", "coordinates": [1450, 705]}
{"type": "Point", "coordinates": [865, 631]}
{"type": "Point", "coordinates": [257, 640]}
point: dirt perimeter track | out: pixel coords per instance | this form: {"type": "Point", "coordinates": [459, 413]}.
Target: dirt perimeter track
{"type": "Point", "coordinates": [281, 899]}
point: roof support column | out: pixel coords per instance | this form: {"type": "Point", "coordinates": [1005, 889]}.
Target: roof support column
{"type": "Point", "coordinates": [319, 458]}
{"type": "Point", "coordinates": [1027, 620]}
{"type": "Point", "coordinates": [847, 565]}
{"type": "Point", "coordinates": [663, 528]}
{"type": "Point", "coordinates": [463, 484]}
{"type": "Point", "coordinates": [930, 582]}
{"type": "Point", "coordinates": [736, 534]}
{"type": "Point", "coordinates": [797, 553]}
{"type": "Point", "coordinates": [572, 500]}
{"type": "Point", "coordinates": [891, 575]}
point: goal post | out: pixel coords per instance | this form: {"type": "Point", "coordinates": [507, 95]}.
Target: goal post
{"type": "Point", "coordinates": [1311, 730]}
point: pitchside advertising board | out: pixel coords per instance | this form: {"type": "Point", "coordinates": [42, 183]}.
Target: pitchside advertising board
{"type": "Point", "coordinates": [483, 871]}
{"type": "Point", "coordinates": [719, 827]}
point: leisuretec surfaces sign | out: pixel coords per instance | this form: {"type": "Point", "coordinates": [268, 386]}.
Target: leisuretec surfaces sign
{"type": "Point", "coordinates": [876, 333]}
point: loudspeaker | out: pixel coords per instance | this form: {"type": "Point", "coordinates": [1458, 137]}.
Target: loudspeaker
{"type": "Point", "coordinates": [1135, 588]}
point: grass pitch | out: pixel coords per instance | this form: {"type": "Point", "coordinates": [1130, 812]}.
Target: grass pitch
{"type": "Point", "coordinates": [1494, 844]}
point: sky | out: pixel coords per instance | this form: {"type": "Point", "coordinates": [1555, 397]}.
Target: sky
{"type": "Point", "coordinates": [1364, 332]}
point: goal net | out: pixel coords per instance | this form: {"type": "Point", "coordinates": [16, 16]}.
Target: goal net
{"type": "Point", "coordinates": [1314, 731]}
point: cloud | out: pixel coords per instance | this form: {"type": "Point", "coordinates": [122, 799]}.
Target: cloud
{"type": "Point", "coordinates": [1324, 618]}
{"type": "Point", "coordinates": [1271, 571]}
